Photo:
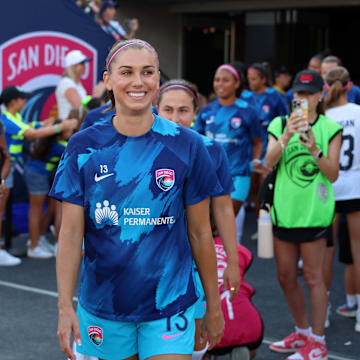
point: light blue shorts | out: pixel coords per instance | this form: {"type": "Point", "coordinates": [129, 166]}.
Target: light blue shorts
{"type": "Point", "coordinates": [242, 187]}
{"type": "Point", "coordinates": [115, 340]}
{"type": "Point", "coordinates": [200, 305]}
{"type": "Point", "coordinates": [38, 184]}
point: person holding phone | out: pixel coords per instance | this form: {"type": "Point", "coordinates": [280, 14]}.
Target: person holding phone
{"type": "Point", "coordinates": [346, 187]}
{"type": "Point", "coordinates": [307, 160]}
{"type": "Point", "coordinates": [135, 190]}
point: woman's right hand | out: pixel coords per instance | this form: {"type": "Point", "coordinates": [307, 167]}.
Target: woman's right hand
{"type": "Point", "coordinates": [212, 326]}
{"type": "Point", "coordinates": [68, 323]}
{"type": "Point", "coordinates": [294, 124]}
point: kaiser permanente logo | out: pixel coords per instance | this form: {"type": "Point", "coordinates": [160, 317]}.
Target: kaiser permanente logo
{"type": "Point", "coordinates": [35, 62]}
{"type": "Point", "coordinates": [106, 214]}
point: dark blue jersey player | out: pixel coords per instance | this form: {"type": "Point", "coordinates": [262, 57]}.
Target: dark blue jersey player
{"type": "Point", "coordinates": [234, 124]}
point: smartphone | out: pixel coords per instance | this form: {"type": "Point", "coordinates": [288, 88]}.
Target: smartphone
{"type": "Point", "coordinates": [301, 108]}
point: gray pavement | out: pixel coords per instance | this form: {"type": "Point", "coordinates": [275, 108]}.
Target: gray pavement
{"type": "Point", "coordinates": [28, 313]}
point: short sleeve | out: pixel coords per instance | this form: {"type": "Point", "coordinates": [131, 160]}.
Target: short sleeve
{"type": "Point", "coordinates": [223, 172]}
{"type": "Point", "coordinates": [275, 128]}
{"type": "Point", "coordinates": [201, 181]}
{"type": "Point", "coordinates": [333, 129]}
{"type": "Point", "coordinates": [199, 123]}
{"type": "Point", "coordinates": [68, 183]}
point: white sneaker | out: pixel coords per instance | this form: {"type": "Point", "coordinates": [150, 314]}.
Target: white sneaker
{"type": "Point", "coordinates": [39, 253]}
{"type": "Point", "coordinates": [46, 244]}
{"type": "Point", "coordinates": [7, 259]}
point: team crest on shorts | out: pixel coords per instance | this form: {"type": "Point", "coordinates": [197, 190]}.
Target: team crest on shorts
{"type": "Point", "coordinates": [235, 122]}
{"type": "Point", "coordinates": [165, 179]}
{"type": "Point", "coordinates": [95, 335]}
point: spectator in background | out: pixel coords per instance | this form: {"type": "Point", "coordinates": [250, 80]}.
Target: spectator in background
{"type": "Point", "coordinates": [353, 95]}
{"type": "Point", "coordinates": [302, 223]}
{"type": "Point", "coordinates": [70, 93]}
{"type": "Point", "coordinates": [16, 131]}
{"type": "Point", "coordinates": [37, 173]}
{"type": "Point", "coordinates": [315, 63]}
{"type": "Point", "coordinates": [113, 27]}
{"type": "Point", "coordinates": [91, 7]}
{"type": "Point", "coordinates": [282, 80]}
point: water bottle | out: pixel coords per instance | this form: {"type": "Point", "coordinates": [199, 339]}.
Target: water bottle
{"type": "Point", "coordinates": [265, 236]}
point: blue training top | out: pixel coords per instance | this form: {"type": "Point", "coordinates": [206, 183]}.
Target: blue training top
{"type": "Point", "coordinates": [269, 105]}
{"type": "Point", "coordinates": [138, 264]}
{"type": "Point", "coordinates": [221, 163]}
{"type": "Point", "coordinates": [234, 127]}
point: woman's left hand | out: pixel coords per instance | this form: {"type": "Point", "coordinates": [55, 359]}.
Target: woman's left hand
{"type": "Point", "coordinates": [309, 141]}
{"type": "Point", "coordinates": [232, 279]}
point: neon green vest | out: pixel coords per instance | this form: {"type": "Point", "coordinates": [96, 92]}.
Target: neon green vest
{"type": "Point", "coordinates": [303, 196]}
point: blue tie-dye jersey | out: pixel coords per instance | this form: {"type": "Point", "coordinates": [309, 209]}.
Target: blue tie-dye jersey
{"type": "Point", "coordinates": [234, 127]}
{"type": "Point", "coordinates": [138, 263]}
{"type": "Point", "coordinates": [269, 105]}
{"type": "Point", "coordinates": [221, 163]}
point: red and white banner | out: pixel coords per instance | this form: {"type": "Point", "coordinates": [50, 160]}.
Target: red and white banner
{"type": "Point", "coordinates": [35, 62]}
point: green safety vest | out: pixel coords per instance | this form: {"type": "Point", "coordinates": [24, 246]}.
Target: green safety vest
{"type": "Point", "coordinates": [53, 161]}
{"type": "Point", "coordinates": [303, 196]}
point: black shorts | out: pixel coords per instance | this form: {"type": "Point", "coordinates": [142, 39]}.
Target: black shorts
{"type": "Point", "coordinates": [302, 235]}
{"type": "Point", "coordinates": [347, 206]}
{"type": "Point", "coordinates": [345, 256]}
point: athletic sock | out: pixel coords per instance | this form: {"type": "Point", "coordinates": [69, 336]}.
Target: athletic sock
{"type": "Point", "coordinates": [351, 300]}
{"type": "Point", "coordinates": [306, 332]}
{"type": "Point", "coordinates": [318, 338]}
{"type": "Point", "coordinates": [198, 355]}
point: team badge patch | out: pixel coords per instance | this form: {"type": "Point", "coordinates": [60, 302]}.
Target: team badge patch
{"type": "Point", "coordinates": [95, 335]}
{"type": "Point", "coordinates": [265, 108]}
{"type": "Point", "coordinates": [165, 179]}
{"type": "Point", "coordinates": [235, 123]}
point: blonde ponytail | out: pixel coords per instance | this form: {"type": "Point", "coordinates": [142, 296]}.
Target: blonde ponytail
{"type": "Point", "coordinates": [337, 83]}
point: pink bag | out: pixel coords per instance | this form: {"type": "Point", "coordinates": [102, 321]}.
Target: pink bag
{"type": "Point", "coordinates": [243, 323]}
